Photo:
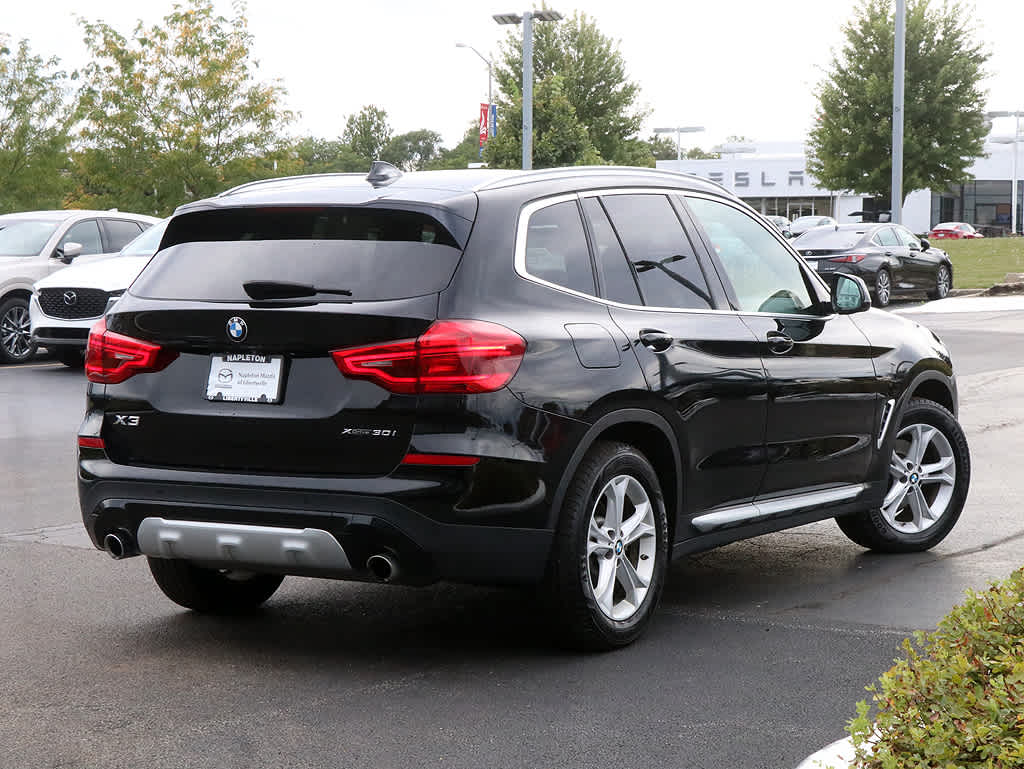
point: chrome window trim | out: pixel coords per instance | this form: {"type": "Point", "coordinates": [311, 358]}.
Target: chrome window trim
{"type": "Point", "coordinates": [528, 210]}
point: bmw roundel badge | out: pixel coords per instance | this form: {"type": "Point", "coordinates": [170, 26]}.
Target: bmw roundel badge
{"type": "Point", "coordinates": [237, 329]}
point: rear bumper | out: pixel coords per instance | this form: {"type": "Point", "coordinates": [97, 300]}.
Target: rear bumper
{"type": "Point", "coordinates": [363, 525]}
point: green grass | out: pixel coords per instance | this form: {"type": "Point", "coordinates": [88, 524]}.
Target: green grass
{"type": "Point", "coordinates": [984, 262]}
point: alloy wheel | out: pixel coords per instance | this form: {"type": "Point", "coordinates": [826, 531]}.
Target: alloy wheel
{"type": "Point", "coordinates": [621, 547]}
{"type": "Point", "coordinates": [942, 282]}
{"type": "Point", "coordinates": [922, 478]}
{"type": "Point", "coordinates": [883, 288]}
{"type": "Point", "coordinates": [15, 333]}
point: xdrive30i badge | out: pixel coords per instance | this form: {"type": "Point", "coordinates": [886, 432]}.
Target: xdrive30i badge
{"type": "Point", "coordinates": [367, 432]}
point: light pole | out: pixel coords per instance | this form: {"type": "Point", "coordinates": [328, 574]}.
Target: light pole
{"type": "Point", "coordinates": [898, 69]}
{"type": "Point", "coordinates": [679, 131]}
{"type": "Point", "coordinates": [490, 82]}
{"type": "Point", "coordinates": [1008, 140]}
{"type": "Point", "coordinates": [527, 21]}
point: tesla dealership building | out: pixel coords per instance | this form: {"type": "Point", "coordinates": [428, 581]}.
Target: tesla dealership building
{"type": "Point", "coordinates": [774, 180]}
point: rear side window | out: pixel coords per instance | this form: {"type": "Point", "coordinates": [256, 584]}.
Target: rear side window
{"type": "Point", "coordinates": [664, 261]}
{"type": "Point", "coordinates": [887, 237]}
{"type": "Point", "coordinates": [366, 254]}
{"type": "Point", "coordinates": [556, 248]}
{"type": "Point", "coordinates": [616, 272]}
{"type": "Point", "coordinates": [121, 232]}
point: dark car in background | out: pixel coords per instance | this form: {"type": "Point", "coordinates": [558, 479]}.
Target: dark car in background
{"type": "Point", "coordinates": [558, 378]}
{"type": "Point", "coordinates": [888, 257]}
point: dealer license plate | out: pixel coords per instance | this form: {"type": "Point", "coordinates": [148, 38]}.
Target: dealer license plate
{"type": "Point", "coordinates": [245, 377]}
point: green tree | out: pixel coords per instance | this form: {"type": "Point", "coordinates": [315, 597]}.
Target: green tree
{"type": "Point", "coordinates": [167, 109]}
{"type": "Point", "coordinates": [35, 117]}
{"type": "Point", "coordinates": [595, 82]}
{"type": "Point", "coordinates": [662, 147]}
{"type": "Point", "coordinates": [462, 154]}
{"type": "Point", "coordinates": [559, 138]}
{"type": "Point", "coordinates": [413, 151]}
{"type": "Point", "coordinates": [849, 147]}
{"type": "Point", "coordinates": [326, 156]}
{"type": "Point", "coordinates": [367, 133]}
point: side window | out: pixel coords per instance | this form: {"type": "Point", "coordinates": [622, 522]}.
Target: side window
{"type": "Point", "coordinates": [556, 248]}
{"type": "Point", "coordinates": [665, 263]}
{"type": "Point", "coordinates": [121, 232]}
{"type": "Point", "coordinates": [616, 273]}
{"type": "Point", "coordinates": [88, 234]}
{"type": "Point", "coordinates": [887, 237]}
{"type": "Point", "coordinates": [907, 238]}
{"type": "Point", "coordinates": [764, 275]}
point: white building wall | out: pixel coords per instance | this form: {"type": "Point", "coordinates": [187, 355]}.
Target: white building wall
{"type": "Point", "coordinates": [917, 211]}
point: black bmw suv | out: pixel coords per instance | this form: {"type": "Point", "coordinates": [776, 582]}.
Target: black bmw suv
{"type": "Point", "coordinates": [561, 378]}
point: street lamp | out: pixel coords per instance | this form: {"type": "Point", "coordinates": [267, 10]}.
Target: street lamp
{"type": "Point", "coordinates": [679, 131]}
{"type": "Point", "coordinates": [1010, 140]}
{"type": "Point", "coordinates": [490, 81]}
{"type": "Point", "coordinates": [527, 21]}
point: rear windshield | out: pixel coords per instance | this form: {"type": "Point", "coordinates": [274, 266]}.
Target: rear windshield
{"type": "Point", "coordinates": [350, 254]}
{"type": "Point", "coordinates": [829, 238]}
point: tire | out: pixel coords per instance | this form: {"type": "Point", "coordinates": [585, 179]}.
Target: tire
{"type": "Point", "coordinates": [901, 526]}
{"type": "Point", "coordinates": [72, 357]}
{"type": "Point", "coordinates": [943, 282]}
{"type": "Point", "coordinates": [15, 342]}
{"type": "Point", "coordinates": [586, 615]}
{"type": "Point", "coordinates": [212, 591]}
{"type": "Point", "coordinates": [883, 288]}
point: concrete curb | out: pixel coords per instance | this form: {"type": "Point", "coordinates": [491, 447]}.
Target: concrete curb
{"type": "Point", "coordinates": [838, 755]}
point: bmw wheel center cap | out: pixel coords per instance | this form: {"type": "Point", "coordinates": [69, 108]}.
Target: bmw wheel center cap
{"type": "Point", "coordinates": [237, 329]}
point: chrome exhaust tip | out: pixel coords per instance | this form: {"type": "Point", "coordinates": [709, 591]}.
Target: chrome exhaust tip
{"type": "Point", "coordinates": [119, 544]}
{"type": "Point", "coordinates": [383, 567]}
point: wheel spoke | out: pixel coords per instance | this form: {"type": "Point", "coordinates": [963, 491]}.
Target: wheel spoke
{"type": "Point", "coordinates": [897, 467]}
{"type": "Point", "coordinates": [604, 592]}
{"type": "Point", "coordinates": [631, 582]}
{"type": "Point", "coordinates": [615, 497]}
{"type": "Point", "coordinates": [637, 527]}
{"type": "Point", "coordinates": [919, 508]}
{"type": "Point", "coordinates": [921, 438]}
{"type": "Point", "coordinates": [894, 499]}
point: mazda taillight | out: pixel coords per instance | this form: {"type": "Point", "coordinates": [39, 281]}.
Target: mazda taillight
{"type": "Point", "coordinates": [111, 358]}
{"type": "Point", "coordinates": [452, 356]}
{"type": "Point", "coordinates": [849, 258]}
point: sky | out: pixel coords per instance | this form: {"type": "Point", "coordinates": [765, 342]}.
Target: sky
{"type": "Point", "coordinates": [735, 67]}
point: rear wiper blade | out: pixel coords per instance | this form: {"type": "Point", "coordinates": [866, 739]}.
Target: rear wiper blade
{"type": "Point", "coordinates": [279, 289]}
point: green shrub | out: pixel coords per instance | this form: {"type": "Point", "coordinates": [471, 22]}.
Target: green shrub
{"type": "Point", "coordinates": [957, 700]}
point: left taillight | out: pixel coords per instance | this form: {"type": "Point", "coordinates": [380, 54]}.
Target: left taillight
{"type": "Point", "coordinates": [111, 358]}
{"type": "Point", "coordinates": [452, 356]}
{"type": "Point", "coordinates": [848, 258]}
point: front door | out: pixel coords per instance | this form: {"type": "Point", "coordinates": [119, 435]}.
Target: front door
{"type": "Point", "coordinates": [822, 392]}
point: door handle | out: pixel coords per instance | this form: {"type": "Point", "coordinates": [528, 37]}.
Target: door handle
{"type": "Point", "coordinates": [779, 343]}
{"type": "Point", "coordinates": [888, 253]}
{"type": "Point", "coordinates": [656, 341]}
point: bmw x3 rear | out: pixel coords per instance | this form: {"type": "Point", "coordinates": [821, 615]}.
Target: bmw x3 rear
{"type": "Point", "coordinates": [557, 378]}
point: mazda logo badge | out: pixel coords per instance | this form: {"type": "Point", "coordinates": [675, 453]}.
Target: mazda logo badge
{"type": "Point", "coordinates": [70, 298]}
{"type": "Point", "coordinates": [237, 329]}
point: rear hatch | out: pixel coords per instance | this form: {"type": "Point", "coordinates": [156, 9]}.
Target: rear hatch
{"type": "Point", "coordinates": [245, 307]}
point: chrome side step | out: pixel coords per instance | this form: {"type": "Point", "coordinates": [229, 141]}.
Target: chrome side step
{"type": "Point", "coordinates": [769, 508]}
{"type": "Point", "coordinates": [230, 543]}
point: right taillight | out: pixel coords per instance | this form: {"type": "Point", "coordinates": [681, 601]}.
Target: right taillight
{"type": "Point", "coordinates": [847, 258]}
{"type": "Point", "coordinates": [111, 358]}
{"type": "Point", "coordinates": [452, 356]}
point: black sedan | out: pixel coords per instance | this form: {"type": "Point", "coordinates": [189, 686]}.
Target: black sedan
{"type": "Point", "coordinates": [890, 258]}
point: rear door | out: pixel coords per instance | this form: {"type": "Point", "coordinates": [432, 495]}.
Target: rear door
{"type": "Point", "coordinates": [702, 362]}
{"type": "Point", "coordinates": [253, 386]}
{"type": "Point", "coordinates": [921, 266]}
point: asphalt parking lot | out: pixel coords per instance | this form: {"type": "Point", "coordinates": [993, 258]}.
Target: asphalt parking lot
{"type": "Point", "coordinates": [756, 658]}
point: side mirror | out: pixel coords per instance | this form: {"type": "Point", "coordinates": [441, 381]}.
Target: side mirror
{"type": "Point", "coordinates": [925, 245]}
{"type": "Point", "coordinates": [69, 252]}
{"type": "Point", "coordinates": [849, 293]}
